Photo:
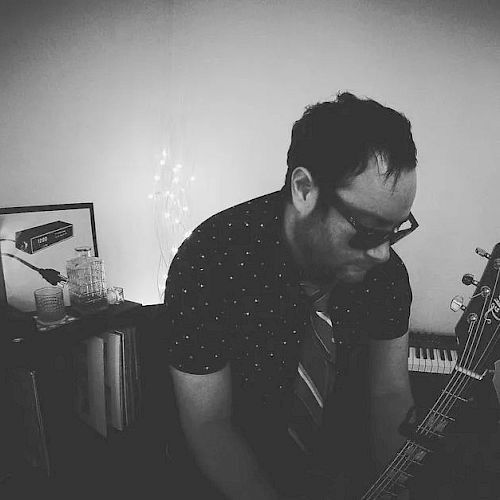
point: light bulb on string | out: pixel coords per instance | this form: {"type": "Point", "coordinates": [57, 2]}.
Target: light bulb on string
{"type": "Point", "coordinates": [172, 203]}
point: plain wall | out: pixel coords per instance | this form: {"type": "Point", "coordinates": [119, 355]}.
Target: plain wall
{"type": "Point", "coordinates": [92, 91]}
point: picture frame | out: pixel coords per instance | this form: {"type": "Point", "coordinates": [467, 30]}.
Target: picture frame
{"type": "Point", "coordinates": [39, 238]}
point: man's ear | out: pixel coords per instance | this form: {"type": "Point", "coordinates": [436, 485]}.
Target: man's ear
{"type": "Point", "coordinates": [304, 191]}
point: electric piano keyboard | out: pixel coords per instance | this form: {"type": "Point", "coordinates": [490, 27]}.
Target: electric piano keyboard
{"type": "Point", "coordinates": [432, 353]}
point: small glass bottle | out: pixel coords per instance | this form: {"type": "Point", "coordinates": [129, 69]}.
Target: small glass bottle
{"type": "Point", "coordinates": [86, 282]}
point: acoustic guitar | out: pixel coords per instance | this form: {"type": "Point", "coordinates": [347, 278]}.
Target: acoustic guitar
{"type": "Point", "coordinates": [477, 331]}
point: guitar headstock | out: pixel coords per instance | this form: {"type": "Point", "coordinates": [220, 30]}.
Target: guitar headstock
{"type": "Point", "coordinates": [478, 329]}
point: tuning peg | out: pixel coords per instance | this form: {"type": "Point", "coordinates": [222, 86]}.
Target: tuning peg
{"type": "Point", "coordinates": [457, 303]}
{"type": "Point", "coordinates": [483, 253]}
{"type": "Point", "coordinates": [468, 279]}
{"type": "Point", "coordinates": [472, 318]}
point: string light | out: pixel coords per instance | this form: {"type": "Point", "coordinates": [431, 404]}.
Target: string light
{"type": "Point", "coordinates": [172, 210]}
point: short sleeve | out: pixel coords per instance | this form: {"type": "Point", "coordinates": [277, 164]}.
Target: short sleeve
{"type": "Point", "coordinates": [193, 319]}
{"type": "Point", "coordinates": [390, 297]}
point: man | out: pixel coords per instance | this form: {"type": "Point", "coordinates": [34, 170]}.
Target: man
{"type": "Point", "coordinates": [238, 313]}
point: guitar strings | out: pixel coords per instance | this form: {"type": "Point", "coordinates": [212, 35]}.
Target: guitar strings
{"type": "Point", "coordinates": [461, 381]}
{"type": "Point", "coordinates": [408, 454]}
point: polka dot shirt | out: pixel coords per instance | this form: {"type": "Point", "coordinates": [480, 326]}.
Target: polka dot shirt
{"type": "Point", "coordinates": [233, 295]}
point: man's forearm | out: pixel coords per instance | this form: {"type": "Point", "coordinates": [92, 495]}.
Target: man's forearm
{"type": "Point", "coordinates": [227, 460]}
{"type": "Point", "coordinates": [387, 414]}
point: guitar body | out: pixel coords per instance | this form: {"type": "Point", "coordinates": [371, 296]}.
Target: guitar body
{"type": "Point", "coordinates": [478, 332]}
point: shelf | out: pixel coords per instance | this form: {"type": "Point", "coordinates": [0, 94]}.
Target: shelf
{"type": "Point", "coordinates": [21, 344]}
{"type": "Point", "coordinates": [81, 460]}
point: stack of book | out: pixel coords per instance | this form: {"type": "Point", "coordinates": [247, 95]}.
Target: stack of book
{"type": "Point", "coordinates": [107, 384]}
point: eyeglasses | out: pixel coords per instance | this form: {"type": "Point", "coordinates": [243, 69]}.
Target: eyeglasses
{"type": "Point", "coordinates": [365, 237]}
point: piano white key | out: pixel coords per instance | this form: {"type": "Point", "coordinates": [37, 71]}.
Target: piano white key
{"type": "Point", "coordinates": [454, 358]}
{"type": "Point", "coordinates": [416, 361]}
{"type": "Point", "coordinates": [447, 361]}
{"type": "Point", "coordinates": [411, 359]}
{"type": "Point", "coordinates": [421, 360]}
{"type": "Point", "coordinates": [443, 357]}
{"type": "Point", "coordinates": [432, 360]}
{"type": "Point", "coordinates": [428, 360]}
{"type": "Point", "coordinates": [439, 361]}
{"type": "Point", "coordinates": [424, 361]}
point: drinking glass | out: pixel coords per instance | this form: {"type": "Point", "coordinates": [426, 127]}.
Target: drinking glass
{"type": "Point", "coordinates": [49, 304]}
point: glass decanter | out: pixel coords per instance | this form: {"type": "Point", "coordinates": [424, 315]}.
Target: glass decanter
{"type": "Point", "coordinates": [86, 282]}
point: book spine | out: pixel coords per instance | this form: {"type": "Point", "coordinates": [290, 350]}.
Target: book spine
{"type": "Point", "coordinates": [113, 378]}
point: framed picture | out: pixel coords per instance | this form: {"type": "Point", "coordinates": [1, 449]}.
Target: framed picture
{"type": "Point", "coordinates": [35, 244]}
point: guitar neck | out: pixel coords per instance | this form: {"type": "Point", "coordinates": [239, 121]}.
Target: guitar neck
{"type": "Point", "coordinates": [423, 438]}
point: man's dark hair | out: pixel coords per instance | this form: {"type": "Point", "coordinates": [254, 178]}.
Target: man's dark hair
{"type": "Point", "coordinates": [335, 139]}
